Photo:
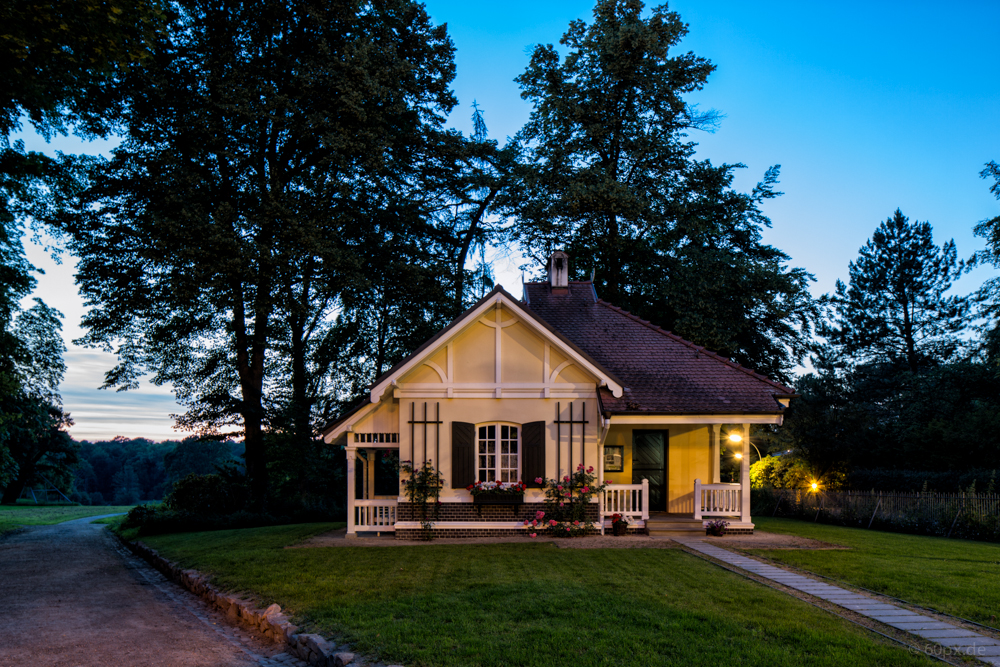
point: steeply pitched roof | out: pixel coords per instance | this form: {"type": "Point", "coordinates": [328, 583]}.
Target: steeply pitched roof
{"type": "Point", "coordinates": [662, 372]}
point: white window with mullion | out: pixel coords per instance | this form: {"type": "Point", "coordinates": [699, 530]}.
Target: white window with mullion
{"type": "Point", "coordinates": [498, 450]}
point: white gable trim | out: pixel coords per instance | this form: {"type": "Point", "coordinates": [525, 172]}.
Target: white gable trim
{"type": "Point", "coordinates": [476, 315]}
{"type": "Point", "coordinates": [347, 425]}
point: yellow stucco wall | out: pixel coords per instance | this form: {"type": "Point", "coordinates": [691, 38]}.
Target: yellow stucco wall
{"type": "Point", "coordinates": [688, 458]}
{"type": "Point", "coordinates": [522, 356]}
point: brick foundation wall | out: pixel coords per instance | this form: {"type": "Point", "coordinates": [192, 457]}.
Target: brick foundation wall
{"type": "Point", "coordinates": [485, 513]}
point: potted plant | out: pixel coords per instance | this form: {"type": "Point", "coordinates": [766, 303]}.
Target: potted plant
{"type": "Point", "coordinates": [619, 524]}
{"type": "Point", "coordinates": [716, 528]}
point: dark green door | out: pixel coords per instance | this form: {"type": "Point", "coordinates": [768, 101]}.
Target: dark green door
{"type": "Point", "coordinates": [649, 462]}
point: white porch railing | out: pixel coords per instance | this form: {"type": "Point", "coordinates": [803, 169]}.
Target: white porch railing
{"type": "Point", "coordinates": [717, 499]}
{"type": "Point", "coordinates": [631, 500]}
{"type": "Point", "coordinates": [373, 515]}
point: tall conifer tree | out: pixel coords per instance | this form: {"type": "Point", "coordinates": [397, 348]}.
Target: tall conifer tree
{"type": "Point", "coordinates": [896, 307]}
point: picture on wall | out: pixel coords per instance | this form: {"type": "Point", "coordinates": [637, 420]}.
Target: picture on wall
{"type": "Point", "coordinates": [614, 458]}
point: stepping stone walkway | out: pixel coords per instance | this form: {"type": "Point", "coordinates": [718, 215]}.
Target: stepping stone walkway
{"type": "Point", "coordinates": [956, 639]}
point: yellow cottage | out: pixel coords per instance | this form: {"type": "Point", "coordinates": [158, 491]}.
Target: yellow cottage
{"type": "Point", "coordinates": [521, 389]}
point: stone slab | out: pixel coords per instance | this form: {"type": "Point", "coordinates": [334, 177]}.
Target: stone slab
{"type": "Point", "coordinates": [892, 619]}
{"type": "Point", "coordinates": [922, 625]}
{"type": "Point", "coordinates": [965, 642]}
{"type": "Point", "coordinates": [951, 632]}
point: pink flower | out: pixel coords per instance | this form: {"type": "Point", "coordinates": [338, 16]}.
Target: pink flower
{"type": "Point", "coordinates": [580, 467]}
{"type": "Point", "coordinates": [534, 535]}
{"type": "Point", "coordinates": [552, 522]}
{"type": "Point", "coordinates": [561, 503]}
{"type": "Point", "coordinates": [566, 478]}
{"type": "Point", "coordinates": [585, 489]}
{"type": "Point", "coordinates": [539, 514]}
{"type": "Point", "coordinates": [535, 522]}
{"type": "Point", "coordinates": [590, 469]}
{"type": "Point", "coordinates": [538, 480]}
{"type": "Point", "coordinates": [526, 522]}
{"type": "Point", "coordinates": [559, 487]}
{"type": "Point", "coordinates": [576, 523]}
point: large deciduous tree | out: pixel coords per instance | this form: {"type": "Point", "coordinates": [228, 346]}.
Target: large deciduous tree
{"type": "Point", "coordinates": [609, 175]}
{"type": "Point", "coordinates": [896, 307]}
{"type": "Point", "coordinates": [261, 141]}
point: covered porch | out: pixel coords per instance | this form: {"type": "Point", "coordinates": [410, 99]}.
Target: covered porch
{"type": "Point", "coordinates": [372, 495]}
{"type": "Point", "coordinates": [665, 475]}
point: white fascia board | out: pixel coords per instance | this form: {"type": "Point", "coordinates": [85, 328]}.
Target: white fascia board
{"type": "Point", "coordinates": [348, 424]}
{"type": "Point", "coordinates": [472, 317]}
{"type": "Point", "coordinates": [653, 420]}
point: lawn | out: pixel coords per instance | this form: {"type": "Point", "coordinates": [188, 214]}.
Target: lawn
{"type": "Point", "coordinates": [527, 604]}
{"type": "Point", "coordinates": [13, 516]}
{"type": "Point", "coordinates": [960, 577]}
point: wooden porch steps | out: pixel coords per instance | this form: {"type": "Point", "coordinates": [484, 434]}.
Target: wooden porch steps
{"type": "Point", "coordinates": [666, 525]}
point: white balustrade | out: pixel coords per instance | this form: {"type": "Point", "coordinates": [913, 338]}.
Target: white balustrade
{"type": "Point", "coordinates": [374, 515]}
{"type": "Point", "coordinates": [717, 499]}
{"type": "Point", "coordinates": [631, 500]}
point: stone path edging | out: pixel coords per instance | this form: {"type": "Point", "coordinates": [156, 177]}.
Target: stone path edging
{"type": "Point", "coordinates": [954, 639]}
{"type": "Point", "coordinates": [270, 622]}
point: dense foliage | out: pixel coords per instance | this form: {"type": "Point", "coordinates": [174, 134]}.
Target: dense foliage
{"type": "Point", "coordinates": [287, 217]}
{"type": "Point", "coordinates": [905, 392]}
{"type": "Point", "coordinates": [608, 174]}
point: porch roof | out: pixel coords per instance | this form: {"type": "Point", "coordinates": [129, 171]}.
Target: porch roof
{"type": "Point", "coordinates": [661, 372]}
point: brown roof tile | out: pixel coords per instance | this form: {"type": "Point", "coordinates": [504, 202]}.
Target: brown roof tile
{"type": "Point", "coordinates": [662, 372]}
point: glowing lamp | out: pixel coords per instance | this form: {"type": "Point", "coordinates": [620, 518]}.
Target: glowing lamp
{"type": "Point", "coordinates": [735, 437]}
{"type": "Point", "coordinates": [814, 486]}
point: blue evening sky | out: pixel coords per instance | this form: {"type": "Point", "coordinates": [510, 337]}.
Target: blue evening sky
{"type": "Point", "coordinates": [866, 106]}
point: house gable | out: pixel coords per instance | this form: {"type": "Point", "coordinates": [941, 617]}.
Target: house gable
{"type": "Point", "coordinates": [497, 349]}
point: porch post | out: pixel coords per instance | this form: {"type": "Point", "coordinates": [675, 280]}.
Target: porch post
{"type": "Point", "coordinates": [352, 454]}
{"type": "Point", "coordinates": [745, 476]}
{"type": "Point", "coordinates": [716, 455]}
{"type": "Point", "coordinates": [602, 496]}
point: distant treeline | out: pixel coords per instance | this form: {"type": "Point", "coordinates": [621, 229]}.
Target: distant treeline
{"type": "Point", "coordinates": [126, 471]}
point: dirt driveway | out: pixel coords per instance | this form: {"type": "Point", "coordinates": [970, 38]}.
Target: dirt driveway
{"type": "Point", "coordinates": [71, 596]}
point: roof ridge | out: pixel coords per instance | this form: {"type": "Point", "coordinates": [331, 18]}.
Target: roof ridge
{"type": "Point", "coordinates": [701, 349]}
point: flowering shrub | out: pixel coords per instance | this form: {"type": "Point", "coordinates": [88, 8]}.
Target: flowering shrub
{"type": "Point", "coordinates": [717, 527]}
{"type": "Point", "coordinates": [497, 488]}
{"type": "Point", "coordinates": [566, 503]}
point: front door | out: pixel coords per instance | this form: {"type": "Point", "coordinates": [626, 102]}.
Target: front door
{"type": "Point", "coordinates": [649, 462]}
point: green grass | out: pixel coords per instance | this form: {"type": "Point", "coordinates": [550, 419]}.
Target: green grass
{"type": "Point", "coordinates": [960, 577]}
{"type": "Point", "coordinates": [527, 604]}
{"type": "Point", "coordinates": [13, 516]}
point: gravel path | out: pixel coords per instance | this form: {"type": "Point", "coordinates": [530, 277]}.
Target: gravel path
{"type": "Point", "coordinates": [71, 596]}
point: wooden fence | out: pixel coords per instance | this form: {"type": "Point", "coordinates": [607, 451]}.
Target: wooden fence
{"type": "Point", "coordinates": [966, 515]}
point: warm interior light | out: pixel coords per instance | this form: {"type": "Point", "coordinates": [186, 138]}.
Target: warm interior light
{"type": "Point", "coordinates": [735, 437]}
{"type": "Point", "coordinates": [738, 455]}
{"type": "Point", "coordinates": [814, 486]}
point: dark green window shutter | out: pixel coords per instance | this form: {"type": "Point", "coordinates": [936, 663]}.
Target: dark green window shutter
{"type": "Point", "coordinates": [463, 454]}
{"type": "Point", "coordinates": [533, 450]}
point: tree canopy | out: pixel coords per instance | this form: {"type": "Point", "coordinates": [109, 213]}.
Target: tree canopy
{"type": "Point", "coordinates": [266, 144]}
{"type": "Point", "coordinates": [896, 307]}
{"type": "Point", "coordinates": [608, 173]}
